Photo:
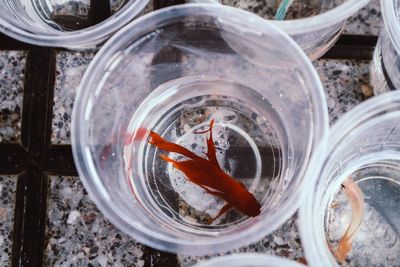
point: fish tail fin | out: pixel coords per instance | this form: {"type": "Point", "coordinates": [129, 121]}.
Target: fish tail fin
{"type": "Point", "coordinates": [342, 250]}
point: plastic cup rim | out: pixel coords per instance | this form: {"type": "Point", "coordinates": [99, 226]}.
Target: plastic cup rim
{"type": "Point", "coordinates": [248, 259]}
{"type": "Point", "coordinates": [75, 39]}
{"type": "Point", "coordinates": [304, 25]}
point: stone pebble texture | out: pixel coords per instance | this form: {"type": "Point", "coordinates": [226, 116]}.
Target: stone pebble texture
{"type": "Point", "coordinates": [12, 73]}
{"type": "Point", "coordinates": [79, 235]}
{"type": "Point", "coordinates": [8, 187]}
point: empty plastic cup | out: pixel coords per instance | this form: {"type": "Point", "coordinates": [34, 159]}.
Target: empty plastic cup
{"type": "Point", "coordinates": [178, 72]}
{"type": "Point", "coordinates": [353, 214]}
{"type": "Point", "coordinates": [315, 25]}
{"type": "Point", "coordinates": [385, 67]}
{"type": "Point", "coordinates": [251, 259]}
{"type": "Point", "coordinates": [75, 24]}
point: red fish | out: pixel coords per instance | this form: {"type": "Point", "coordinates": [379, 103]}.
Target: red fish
{"type": "Point", "coordinates": [206, 173]}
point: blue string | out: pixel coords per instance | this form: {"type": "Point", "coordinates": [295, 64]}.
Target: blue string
{"type": "Point", "coordinates": [283, 7]}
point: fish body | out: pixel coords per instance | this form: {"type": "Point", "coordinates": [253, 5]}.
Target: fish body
{"type": "Point", "coordinates": [206, 173]}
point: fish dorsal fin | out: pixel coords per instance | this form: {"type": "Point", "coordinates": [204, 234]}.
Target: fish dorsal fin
{"type": "Point", "coordinates": [211, 151]}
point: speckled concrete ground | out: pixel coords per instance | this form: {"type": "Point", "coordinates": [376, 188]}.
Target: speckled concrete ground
{"type": "Point", "coordinates": [12, 68]}
{"type": "Point", "coordinates": [70, 67]}
{"type": "Point", "coordinates": [367, 21]}
{"type": "Point", "coordinates": [79, 235]}
{"type": "Point", "coordinates": [8, 187]}
{"type": "Point", "coordinates": [343, 81]}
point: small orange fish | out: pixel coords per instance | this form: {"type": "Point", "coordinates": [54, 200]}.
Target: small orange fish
{"type": "Point", "coordinates": [207, 174]}
{"type": "Point", "coordinates": [356, 199]}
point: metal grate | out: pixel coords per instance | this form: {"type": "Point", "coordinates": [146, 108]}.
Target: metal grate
{"type": "Point", "coordinates": [35, 158]}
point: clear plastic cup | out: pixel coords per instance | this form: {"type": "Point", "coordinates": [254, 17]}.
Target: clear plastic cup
{"type": "Point", "coordinates": [173, 71]}
{"type": "Point", "coordinates": [314, 24]}
{"type": "Point", "coordinates": [251, 259]}
{"type": "Point", "coordinates": [75, 24]}
{"type": "Point", "coordinates": [364, 146]}
{"type": "Point", "coordinates": [385, 67]}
